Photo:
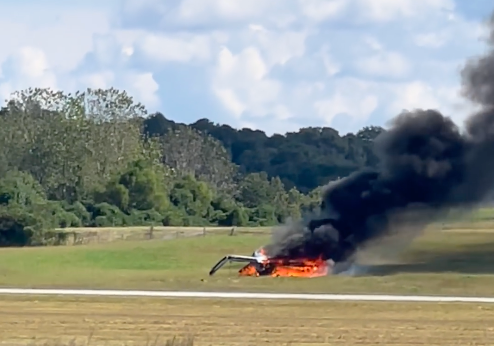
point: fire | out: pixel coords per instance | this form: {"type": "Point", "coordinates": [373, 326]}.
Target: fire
{"type": "Point", "coordinates": [287, 267]}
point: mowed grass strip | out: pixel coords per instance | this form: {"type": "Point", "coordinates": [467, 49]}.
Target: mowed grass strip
{"type": "Point", "coordinates": [437, 263]}
{"type": "Point", "coordinates": [60, 321]}
{"type": "Point", "coordinates": [91, 235]}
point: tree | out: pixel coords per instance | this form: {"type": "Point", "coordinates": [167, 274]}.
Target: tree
{"type": "Point", "coordinates": [71, 143]}
{"type": "Point", "coordinates": [189, 152]}
{"type": "Point", "coordinates": [142, 186]}
{"type": "Point", "coordinates": [95, 158]}
{"type": "Point", "coordinates": [304, 159]}
{"type": "Point", "coordinates": [255, 190]}
{"type": "Point", "coordinates": [369, 133]}
{"type": "Point", "coordinates": [20, 188]}
{"type": "Point", "coordinates": [192, 196]}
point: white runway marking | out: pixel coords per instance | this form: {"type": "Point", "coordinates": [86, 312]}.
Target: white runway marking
{"type": "Point", "coordinates": [244, 295]}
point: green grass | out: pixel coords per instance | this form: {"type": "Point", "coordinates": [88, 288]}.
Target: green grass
{"type": "Point", "coordinates": [91, 235]}
{"type": "Point", "coordinates": [438, 263]}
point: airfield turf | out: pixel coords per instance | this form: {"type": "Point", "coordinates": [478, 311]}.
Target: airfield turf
{"type": "Point", "coordinates": [439, 263]}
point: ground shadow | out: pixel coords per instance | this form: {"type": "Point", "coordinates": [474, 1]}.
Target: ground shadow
{"type": "Point", "coordinates": [469, 259]}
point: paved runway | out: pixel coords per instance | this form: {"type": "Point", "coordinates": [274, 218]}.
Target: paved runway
{"type": "Point", "coordinates": [244, 295]}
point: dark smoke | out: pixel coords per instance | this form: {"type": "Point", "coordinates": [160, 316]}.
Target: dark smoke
{"type": "Point", "coordinates": [427, 168]}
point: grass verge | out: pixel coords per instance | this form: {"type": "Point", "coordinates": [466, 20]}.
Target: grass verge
{"type": "Point", "coordinates": [437, 263]}
{"type": "Point", "coordinates": [98, 235]}
{"type": "Point", "coordinates": [60, 322]}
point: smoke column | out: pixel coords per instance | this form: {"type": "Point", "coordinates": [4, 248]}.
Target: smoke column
{"type": "Point", "coordinates": [427, 167]}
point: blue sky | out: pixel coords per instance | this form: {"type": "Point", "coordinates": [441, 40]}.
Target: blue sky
{"type": "Point", "coordinates": [275, 65]}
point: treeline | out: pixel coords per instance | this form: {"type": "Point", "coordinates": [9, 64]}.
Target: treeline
{"type": "Point", "coordinates": [94, 158]}
{"type": "Point", "coordinates": [305, 159]}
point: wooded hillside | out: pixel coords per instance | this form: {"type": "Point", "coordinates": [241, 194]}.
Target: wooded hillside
{"type": "Point", "coordinates": [96, 158]}
{"type": "Point", "coordinates": [305, 159]}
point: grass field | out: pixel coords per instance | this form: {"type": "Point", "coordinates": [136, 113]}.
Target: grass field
{"type": "Point", "coordinates": [98, 235]}
{"type": "Point", "coordinates": [46, 321]}
{"type": "Point", "coordinates": [444, 263]}
{"type": "Point", "coordinates": [93, 235]}
{"type": "Point", "coordinates": [453, 262]}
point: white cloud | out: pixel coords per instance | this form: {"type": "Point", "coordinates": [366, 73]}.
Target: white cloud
{"type": "Point", "coordinates": [278, 47]}
{"type": "Point", "coordinates": [373, 43]}
{"type": "Point", "coordinates": [419, 94]}
{"type": "Point", "coordinates": [194, 10]}
{"type": "Point", "coordinates": [25, 68]}
{"type": "Point", "coordinates": [319, 10]}
{"type": "Point", "coordinates": [414, 95]}
{"type": "Point", "coordinates": [167, 48]}
{"type": "Point", "coordinates": [388, 64]}
{"type": "Point", "coordinates": [144, 88]}
{"type": "Point", "coordinates": [305, 62]}
{"type": "Point", "coordinates": [351, 97]}
{"type": "Point", "coordinates": [101, 80]}
{"type": "Point", "coordinates": [64, 40]}
{"type": "Point", "coordinates": [240, 80]}
{"type": "Point", "coordinates": [432, 39]}
{"type": "Point", "coordinates": [330, 65]}
{"type": "Point", "coordinates": [386, 10]}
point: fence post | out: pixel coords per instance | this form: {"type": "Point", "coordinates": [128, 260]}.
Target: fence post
{"type": "Point", "coordinates": [151, 232]}
{"type": "Point", "coordinates": [204, 231]}
{"type": "Point", "coordinates": [232, 231]}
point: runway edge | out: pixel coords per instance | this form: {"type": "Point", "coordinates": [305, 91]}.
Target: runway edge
{"type": "Point", "coordinates": [245, 295]}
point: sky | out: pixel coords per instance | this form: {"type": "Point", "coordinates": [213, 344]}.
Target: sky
{"type": "Point", "coordinates": [273, 65]}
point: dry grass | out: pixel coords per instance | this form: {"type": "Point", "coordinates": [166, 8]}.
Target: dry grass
{"type": "Point", "coordinates": [31, 321]}
{"type": "Point", "coordinates": [174, 341]}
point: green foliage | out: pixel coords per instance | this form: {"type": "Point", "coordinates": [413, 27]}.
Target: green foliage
{"type": "Point", "coordinates": [80, 211]}
{"type": "Point", "coordinates": [237, 217]}
{"type": "Point", "coordinates": [94, 158]}
{"type": "Point", "coordinates": [141, 186]}
{"type": "Point", "coordinates": [107, 215]}
{"type": "Point", "coordinates": [305, 159]}
{"type": "Point", "coordinates": [192, 196]}
{"type": "Point", "coordinates": [21, 189]}
{"type": "Point", "coordinates": [16, 227]}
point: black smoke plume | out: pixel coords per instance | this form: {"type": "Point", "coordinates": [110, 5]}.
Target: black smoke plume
{"type": "Point", "coordinates": [427, 168]}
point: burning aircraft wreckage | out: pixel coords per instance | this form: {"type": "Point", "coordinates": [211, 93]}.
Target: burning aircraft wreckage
{"type": "Point", "coordinates": [427, 168]}
{"type": "Point", "coordinates": [261, 263]}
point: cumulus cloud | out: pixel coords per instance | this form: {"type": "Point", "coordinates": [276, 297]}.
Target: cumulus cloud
{"type": "Point", "coordinates": [241, 84]}
{"type": "Point", "coordinates": [273, 64]}
{"type": "Point", "coordinates": [387, 10]}
{"type": "Point", "coordinates": [143, 87]}
{"type": "Point", "coordinates": [175, 48]}
{"type": "Point", "coordinates": [431, 39]}
{"type": "Point", "coordinates": [26, 67]}
{"type": "Point", "coordinates": [319, 10]}
{"type": "Point", "coordinates": [387, 64]}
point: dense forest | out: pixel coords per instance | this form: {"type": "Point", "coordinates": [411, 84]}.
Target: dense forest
{"type": "Point", "coordinates": [97, 158]}
{"type": "Point", "coordinates": [305, 159]}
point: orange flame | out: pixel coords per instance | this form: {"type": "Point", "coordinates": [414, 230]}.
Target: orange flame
{"type": "Point", "coordinates": [287, 267]}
